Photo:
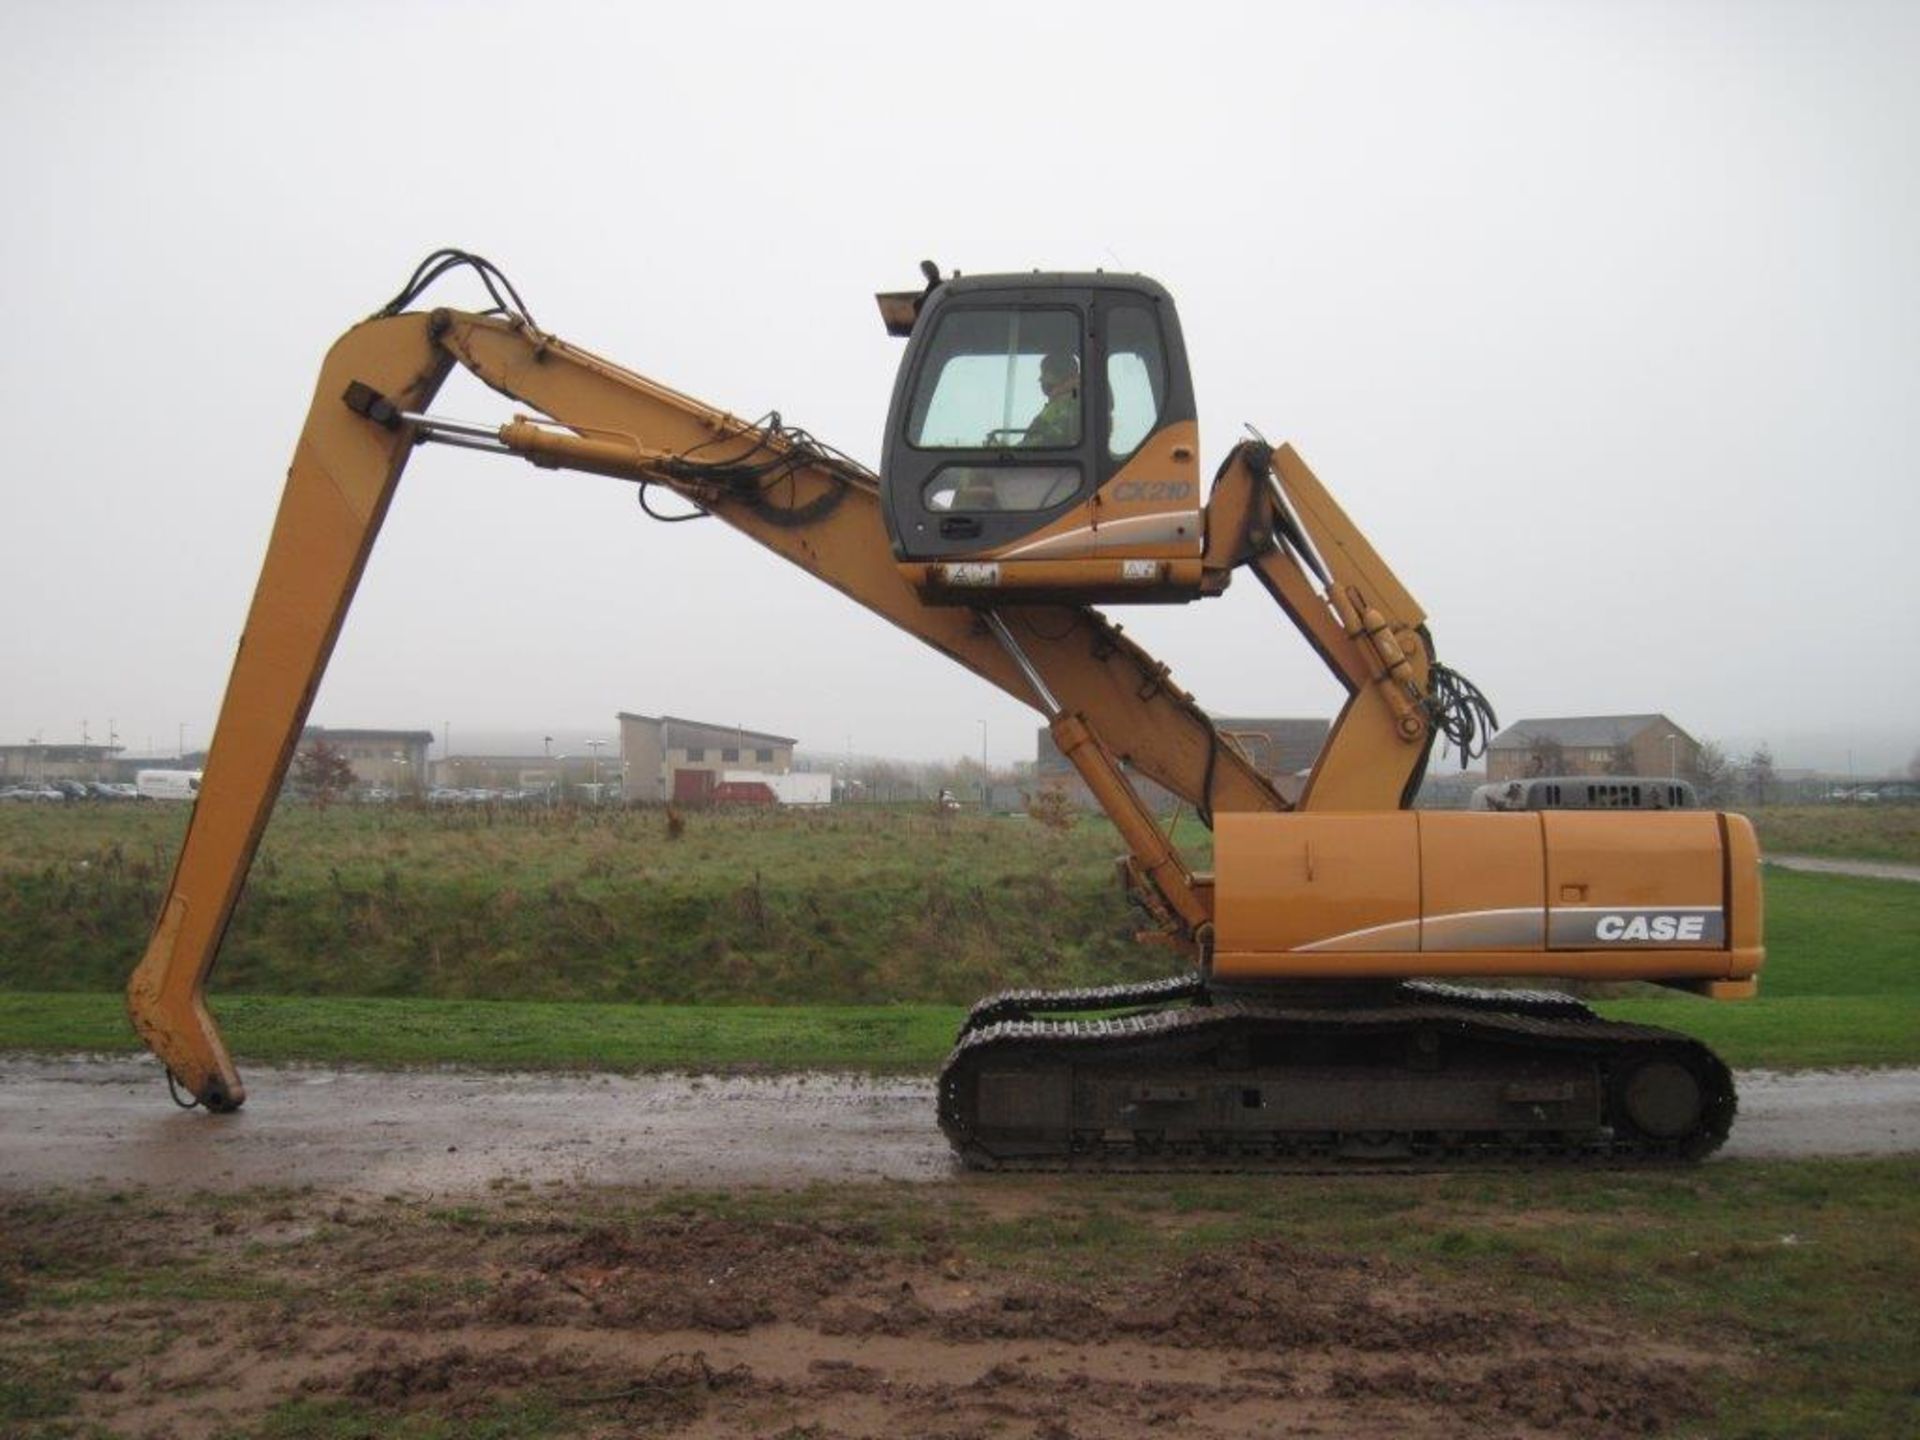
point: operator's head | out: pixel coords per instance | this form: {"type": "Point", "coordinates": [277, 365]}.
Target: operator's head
{"type": "Point", "coordinates": [1059, 372]}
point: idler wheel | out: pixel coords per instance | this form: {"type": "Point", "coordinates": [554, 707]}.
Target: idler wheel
{"type": "Point", "coordinates": [1662, 1098]}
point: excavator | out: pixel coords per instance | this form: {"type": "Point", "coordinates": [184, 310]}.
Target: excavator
{"type": "Point", "coordinates": [1352, 987]}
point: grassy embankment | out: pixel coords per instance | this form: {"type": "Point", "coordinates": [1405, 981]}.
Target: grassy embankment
{"type": "Point", "coordinates": [846, 939]}
{"type": "Point", "coordinates": [1842, 832]}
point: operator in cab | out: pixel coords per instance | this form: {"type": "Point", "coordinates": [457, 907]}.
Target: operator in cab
{"type": "Point", "coordinates": [1058, 422]}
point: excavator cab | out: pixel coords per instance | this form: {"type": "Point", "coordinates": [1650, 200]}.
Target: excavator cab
{"type": "Point", "coordinates": [1042, 443]}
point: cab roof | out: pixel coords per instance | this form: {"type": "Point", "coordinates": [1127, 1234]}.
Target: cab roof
{"type": "Point", "coordinates": [899, 309]}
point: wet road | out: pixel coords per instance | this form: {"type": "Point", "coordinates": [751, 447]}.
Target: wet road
{"type": "Point", "coordinates": [108, 1122]}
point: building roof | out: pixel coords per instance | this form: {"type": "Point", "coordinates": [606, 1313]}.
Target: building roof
{"type": "Point", "coordinates": [1581, 731]}
{"type": "Point", "coordinates": [682, 734]}
{"type": "Point", "coordinates": [324, 732]}
{"type": "Point", "coordinates": [62, 754]}
{"type": "Point", "coordinates": [570, 756]}
{"type": "Point", "coordinates": [1275, 746]}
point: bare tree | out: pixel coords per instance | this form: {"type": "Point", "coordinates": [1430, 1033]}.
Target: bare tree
{"type": "Point", "coordinates": [322, 774]}
{"type": "Point", "coordinates": [1712, 773]}
{"type": "Point", "coordinates": [1546, 756]}
{"type": "Point", "coordinates": [1760, 778]}
{"type": "Point", "coordinates": [1620, 759]}
{"type": "Point", "coordinates": [1052, 807]}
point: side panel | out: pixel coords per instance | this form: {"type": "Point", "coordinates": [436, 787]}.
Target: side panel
{"type": "Point", "coordinates": [1150, 509]}
{"type": "Point", "coordinates": [1634, 880]}
{"type": "Point", "coordinates": [1579, 895]}
{"type": "Point", "coordinates": [1324, 884]}
{"type": "Point", "coordinates": [1483, 882]}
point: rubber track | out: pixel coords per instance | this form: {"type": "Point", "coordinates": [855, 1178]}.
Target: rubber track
{"type": "Point", "coordinates": [1169, 1034]}
{"type": "Point", "coordinates": [1190, 986]}
{"type": "Point", "coordinates": [1025, 1004]}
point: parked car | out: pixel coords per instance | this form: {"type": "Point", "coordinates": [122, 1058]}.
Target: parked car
{"type": "Point", "coordinates": [32, 792]}
{"type": "Point", "coordinates": [167, 784]}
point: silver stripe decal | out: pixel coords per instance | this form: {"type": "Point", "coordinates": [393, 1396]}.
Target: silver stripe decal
{"type": "Point", "coordinates": [1349, 940]}
{"type": "Point", "coordinates": [1522, 928]}
{"type": "Point", "coordinates": [1170, 521]}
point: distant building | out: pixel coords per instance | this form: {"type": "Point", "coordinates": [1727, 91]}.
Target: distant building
{"type": "Point", "coordinates": [56, 762]}
{"type": "Point", "coordinates": [394, 760]}
{"type": "Point", "coordinates": [663, 757]}
{"type": "Point", "coordinates": [1283, 750]}
{"type": "Point", "coordinates": [1592, 745]}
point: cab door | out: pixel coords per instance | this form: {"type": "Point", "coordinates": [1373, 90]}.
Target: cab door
{"type": "Point", "coordinates": [1147, 502]}
{"type": "Point", "coordinates": [985, 453]}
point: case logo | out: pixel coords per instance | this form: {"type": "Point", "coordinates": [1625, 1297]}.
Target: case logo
{"type": "Point", "coordinates": [1650, 927]}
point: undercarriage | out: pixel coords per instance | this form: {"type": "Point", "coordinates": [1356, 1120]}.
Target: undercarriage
{"type": "Point", "coordinates": [1172, 1075]}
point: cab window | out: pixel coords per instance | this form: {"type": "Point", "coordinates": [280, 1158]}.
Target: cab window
{"type": "Point", "coordinates": [999, 379]}
{"type": "Point", "coordinates": [1136, 377]}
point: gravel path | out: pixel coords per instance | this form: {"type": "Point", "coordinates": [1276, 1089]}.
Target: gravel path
{"type": "Point", "coordinates": [1869, 869]}
{"type": "Point", "coordinates": [108, 1122]}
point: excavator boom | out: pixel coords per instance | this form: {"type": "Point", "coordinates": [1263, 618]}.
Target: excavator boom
{"type": "Point", "coordinates": [814, 509]}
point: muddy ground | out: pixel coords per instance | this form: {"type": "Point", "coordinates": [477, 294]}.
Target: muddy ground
{"type": "Point", "coordinates": [432, 1254]}
{"type": "Point", "coordinates": [108, 1122]}
{"type": "Point", "coordinates": [299, 1315]}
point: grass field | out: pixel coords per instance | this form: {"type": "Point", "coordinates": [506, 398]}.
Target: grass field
{"type": "Point", "coordinates": [1848, 832]}
{"type": "Point", "coordinates": [401, 937]}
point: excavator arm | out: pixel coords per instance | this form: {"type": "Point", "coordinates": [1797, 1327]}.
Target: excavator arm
{"type": "Point", "coordinates": [807, 504]}
{"type": "Point", "coordinates": [338, 489]}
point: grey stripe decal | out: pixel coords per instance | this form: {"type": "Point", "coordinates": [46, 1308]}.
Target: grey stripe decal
{"type": "Point", "coordinates": [1565, 927]}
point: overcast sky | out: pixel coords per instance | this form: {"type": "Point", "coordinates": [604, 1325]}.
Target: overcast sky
{"type": "Point", "coordinates": [1602, 319]}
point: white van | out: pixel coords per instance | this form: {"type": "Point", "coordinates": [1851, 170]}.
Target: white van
{"type": "Point", "coordinates": [167, 784]}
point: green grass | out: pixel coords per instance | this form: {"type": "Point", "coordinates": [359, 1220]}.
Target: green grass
{"type": "Point", "coordinates": [356, 1420]}
{"type": "Point", "coordinates": [1790, 1033]}
{"type": "Point", "coordinates": [368, 937]}
{"type": "Point", "coordinates": [515, 1035]}
{"type": "Point", "coordinates": [1841, 984]}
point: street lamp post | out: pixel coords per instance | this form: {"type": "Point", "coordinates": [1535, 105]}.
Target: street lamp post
{"type": "Point", "coordinates": [983, 767]}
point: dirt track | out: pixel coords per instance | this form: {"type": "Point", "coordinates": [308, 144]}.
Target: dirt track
{"type": "Point", "coordinates": [79, 1121]}
{"type": "Point", "coordinates": [578, 1314]}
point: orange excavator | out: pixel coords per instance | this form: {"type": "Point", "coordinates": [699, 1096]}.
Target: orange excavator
{"type": "Point", "coordinates": [1041, 459]}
